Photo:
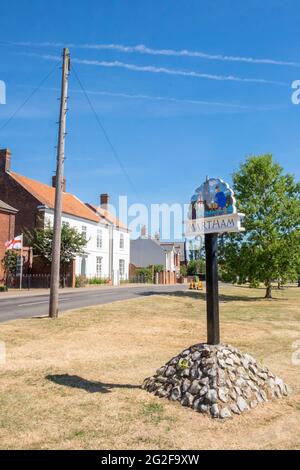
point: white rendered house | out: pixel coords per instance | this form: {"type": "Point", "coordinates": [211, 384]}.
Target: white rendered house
{"type": "Point", "coordinates": [107, 249]}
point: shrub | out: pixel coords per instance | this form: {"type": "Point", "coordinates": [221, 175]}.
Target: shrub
{"type": "Point", "coordinates": [183, 270]}
{"type": "Point", "coordinates": [145, 274]}
{"type": "Point", "coordinates": [80, 281]}
{"type": "Point", "coordinates": [157, 268]}
{"type": "Point", "coordinates": [196, 267]}
{"type": "Point", "coordinates": [97, 280]}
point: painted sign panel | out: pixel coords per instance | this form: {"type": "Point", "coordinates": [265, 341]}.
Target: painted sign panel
{"type": "Point", "coordinates": [213, 197]}
{"type": "Point", "coordinates": [213, 209]}
{"type": "Point", "coordinates": [219, 224]}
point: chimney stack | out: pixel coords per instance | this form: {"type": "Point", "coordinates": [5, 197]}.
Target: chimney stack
{"type": "Point", "coordinates": [104, 201]}
{"type": "Point", "coordinates": [5, 155]}
{"type": "Point", "coordinates": [143, 231]}
{"type": "Point", "coordinates": [64, 183]}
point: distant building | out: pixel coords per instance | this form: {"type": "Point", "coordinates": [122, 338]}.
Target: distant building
{"type": "Point", "coordinates": [107, 250]}
{"type": "Point", "coordinates": [7, 230]}
{"type": "Point", "coordinates": [150, 251]}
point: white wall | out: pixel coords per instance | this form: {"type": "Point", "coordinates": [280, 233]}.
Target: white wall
{"type": "Point", "coordinates": [121, 253]}
{"type": "Point", "coordinates": [92, 252]}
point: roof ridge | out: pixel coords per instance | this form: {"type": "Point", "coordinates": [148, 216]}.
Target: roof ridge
{"type": "Point", "coordinates": [48, 199]}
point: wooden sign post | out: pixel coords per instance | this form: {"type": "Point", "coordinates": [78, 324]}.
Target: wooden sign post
{"type": "Point", "coordinates": [212, 211]}
{"type": "Point", "coordinates": [212, 288]}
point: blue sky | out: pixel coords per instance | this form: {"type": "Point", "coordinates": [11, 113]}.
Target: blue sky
{"type": "Point", "coordinates": [173, 117]}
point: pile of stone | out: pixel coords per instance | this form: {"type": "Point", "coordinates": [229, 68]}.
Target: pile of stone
{"type": "Point", "coordinates": [216, 379]}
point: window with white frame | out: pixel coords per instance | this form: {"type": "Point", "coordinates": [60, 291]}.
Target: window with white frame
{"type": "Point", "coordinates": [99, 266]}
{"type": "Point", "coordinates": [121, 241]}
{"type": "Point", "coordinates": [99, 238]}
{"type": "Point", "coordinates": [83, 231]}
{"type": "Point", "coordinates": [122, 268]}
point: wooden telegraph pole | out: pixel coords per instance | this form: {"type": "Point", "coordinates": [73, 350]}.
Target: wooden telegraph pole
{"type": "Point", "coordinates": [56, 243]}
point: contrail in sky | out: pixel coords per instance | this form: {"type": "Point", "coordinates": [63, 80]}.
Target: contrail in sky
{"type": "Point", "coordinates": [159, 70]}
{"type": "Point", "coordinates": [159, 98]}
{"type": "Point", "coordinates": [142, 49]}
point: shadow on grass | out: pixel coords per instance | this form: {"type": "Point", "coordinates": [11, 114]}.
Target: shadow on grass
{"type": "Point", "coordinates": [74, 381]}
{"type": "Point", "coordinates": [202, 295]}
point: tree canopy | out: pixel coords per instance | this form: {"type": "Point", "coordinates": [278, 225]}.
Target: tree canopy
{"type": "Point", "coordinates": [269, 248]}
{"type": "Point", "coordinates": [73, 243]}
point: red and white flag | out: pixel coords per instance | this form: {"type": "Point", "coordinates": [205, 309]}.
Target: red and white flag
{"type": "Point", "coordinates": [15, 244]}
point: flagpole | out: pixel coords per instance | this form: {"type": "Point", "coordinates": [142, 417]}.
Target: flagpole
{"type": "Point", "coordinates": [21, 264]}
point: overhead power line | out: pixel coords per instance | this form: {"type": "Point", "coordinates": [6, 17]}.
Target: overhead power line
{"type": "Point", "coordinates": [19, 108]}
{"type": "Point", "coordinates": [107, 138]}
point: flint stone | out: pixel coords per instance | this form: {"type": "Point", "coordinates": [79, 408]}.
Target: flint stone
{"type": "Point", "coordinates": [222, 363]}
{"type": "Point", "coordinates": [225, 413]}
{"type": "Point", "coordinates": [212, 396]}
{"type": "Point", "coordinates": [196, 355]}
{"type": "Point", "coordinates": [221, 382]}
{"type": "Point", "coordinates": [229, 361]}
{"type": "Point", "coordinates": [242, 404]}
{"type": "Point", "coordinates": [170, 371]}
{"type": "Point", "coordinates": [161, 393]}
{"type": "Point", "coordinates": [214, 410]}
{"type": "Point", "coordinates": [263, 395]}
{"type": "Point", "coordinates": [196, 404]}
{"type": "Point", "coordinates": [203, 390]}
{"type": "Point", "coordinates": [204, 408]}
{"type": "Point", "coordinates": [185, 373]}
{"type": "Point", "coordinates": [212, 372]}
{"type": "Point", "coordinates": [185, 353]}
{"type": "Point", "coordinates": [187, 399]}
{"type": "Point", "coordinates": [222, 395]}
{"type": "Point", "coordinates": [262, 375]}
{"type": "Point", "coordinates": [204, 381]}
{"type": "Point", "coordinates": [162, 380]}
{"type": "Point", "coordinates": [176, 393]}
{"type": "Point", "coordinates": [195, 373]}
{"type": "Point", "coordinates": [280, 383]}
{"type": "Point", "coordinates": [235, 409]}
{"type": "Point", "coordinates": [195, 388]}
{"type": "Point", "coordinates": [240, 382]}
{"type": "Point", "coordinates": [186, 385]}
{"type": "Point", "coordinates": [231, 376]}
{"type": "Point", "coordinates": [253, 369]}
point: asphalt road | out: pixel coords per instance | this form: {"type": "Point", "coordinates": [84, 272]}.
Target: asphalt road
{"type": "Point", "coordinates": [37, 305]}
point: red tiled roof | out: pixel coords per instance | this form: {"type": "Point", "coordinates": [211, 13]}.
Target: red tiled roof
{"type": "Point", "coordinates": [46, 195]}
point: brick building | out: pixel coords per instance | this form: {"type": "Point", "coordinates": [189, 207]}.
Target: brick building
{"type": "Point", "coordinates": [7, 230]}
{"type": "Point", "coordinates": [107, 249]}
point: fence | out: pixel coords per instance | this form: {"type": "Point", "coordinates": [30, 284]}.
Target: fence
{"type": "Point", "coordinates": [35, 281]}
{"type": "Point", "coordinates": [141, 279]}
{"type": "Point", "coordinates": [163, 277]}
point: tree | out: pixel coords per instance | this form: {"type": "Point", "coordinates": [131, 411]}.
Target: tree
{"type": "Point", "coordinates": [269, 248]}
{"type": "Point", "coordinates": [73, 244]}
{"type": "Point", "coordinates": [9, 263]}
{"type": "Point", "coordinates": [196, 267]}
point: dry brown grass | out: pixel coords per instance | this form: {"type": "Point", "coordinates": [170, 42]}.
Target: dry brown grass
{"type": "Point", "coordinates": [73, 383]}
